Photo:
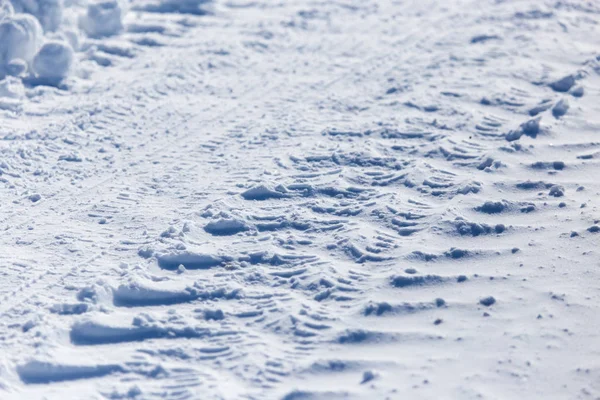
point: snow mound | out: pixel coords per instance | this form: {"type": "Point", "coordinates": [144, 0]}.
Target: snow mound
{"type": "Point", "coordinates": [103, 18]}
{"type": "Point", "coordinates": [20, 39]}
{"type": "Point", "coordinates": [53, 62]}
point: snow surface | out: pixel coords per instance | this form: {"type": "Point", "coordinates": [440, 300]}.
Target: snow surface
{"type": "Point", "coordinates": [305, 199]}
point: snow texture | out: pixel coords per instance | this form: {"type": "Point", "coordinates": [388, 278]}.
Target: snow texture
{"type": "Point", "coordinates": [353, 199]}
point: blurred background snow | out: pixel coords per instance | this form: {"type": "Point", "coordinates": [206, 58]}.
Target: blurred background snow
{"type": "Point", "coordinates": [39, 38]}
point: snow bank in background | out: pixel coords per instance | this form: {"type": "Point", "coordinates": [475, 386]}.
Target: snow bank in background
{"type": "Point", "coordinates": [37, 42]}
{"type": "Point", "coordinates": [103, 18]}
{"type": "Point", "coordinates": [48, 12]}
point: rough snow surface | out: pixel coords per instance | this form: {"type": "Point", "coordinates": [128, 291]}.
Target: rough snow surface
{"type": "Point", "coordinates": [349, 199]}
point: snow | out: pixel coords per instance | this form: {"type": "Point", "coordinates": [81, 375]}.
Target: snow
{"type": "Point", "coordinates": [48, 12]}
{"type": "Point", "coordinates": [38, 38]}
{"type": "Point", "coordinates": [20, 39]}
{"type": "Point", "coordinates": [12, 88]}
{"type": "Point", "coordinates": [103, 18]}
{"type": "Point", "coordinates": [350, 199]}
{"type": "Point", "coordinates": [53, 61]}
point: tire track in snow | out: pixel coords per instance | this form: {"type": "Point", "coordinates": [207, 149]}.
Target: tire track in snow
{"type": "Point", "coordinates": [423, 287]}
{"type": "Point", "coordinates": [249, 95]}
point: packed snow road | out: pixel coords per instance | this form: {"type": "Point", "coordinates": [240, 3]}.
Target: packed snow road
{"type": "Point", "coordinates": [300, 200]}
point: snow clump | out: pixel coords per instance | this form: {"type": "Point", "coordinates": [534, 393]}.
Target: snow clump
{"type": "Point", "coordinates": [103, 18]}
{"type": "Point", "coordinates": [39, 38]}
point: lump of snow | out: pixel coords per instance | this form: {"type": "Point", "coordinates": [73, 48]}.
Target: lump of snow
{"type": "Point", "coordinates": [456, 253]}
{"type": "Point", "coordinates": [487, 301]}
{"type": "Point", "coordinates": [34, 198]}
{"type": "Point", "coordinates": [577, 91]}
{"type": "Point", "coordinates": [69, 309]}
{"type": "Point", "coordinates": [103, 18]}
{"type": "Point", "coordinates": [400, 281]}
{"type": "Point", "coordinates": [172, 261]}
{"type": "Point", "coordinates": [563, 84]}
{"type": "Point", "coordinates": [53, 62]}
{"type": "Point", "coordinates": [557, 191]}
{"type": "Point", "coordinates": [560, 108]}
{"type": "Point", "coordinates": [225, 227]}
{"type": "Point", "coordinates": [368, 376]}
{"type": "Point", "coordinates": [491, 207]}
{"type": "Point", "coordinates": [530, 128]}
{"type": "Point", "coordinates": [20, 38]}
{"type": "Point", "coordinates": [215, 315]}
{"type": "Point", "coordinates": [73, 157]}
{"type": "Point", "coordinates": [145, 252]}
{"type": "Point", "coordinates": [484, 38]}
{"type": "Point", "coordinates": [378, 308]}
{"type": "Point", "coordinates": [262, 193]}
